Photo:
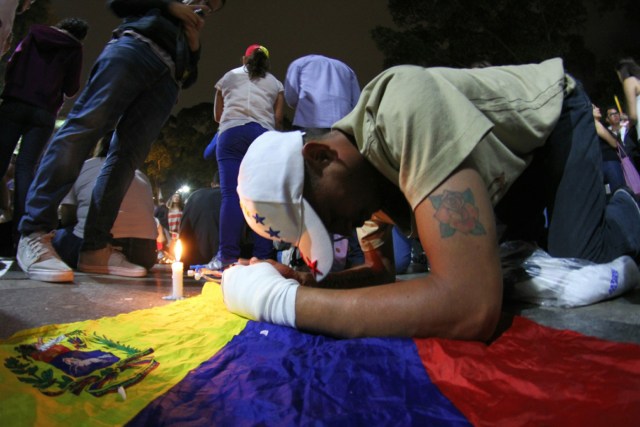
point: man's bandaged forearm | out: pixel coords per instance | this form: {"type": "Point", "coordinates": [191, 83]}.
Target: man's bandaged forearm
{"type": "Point", "coordinates": [259, 292]}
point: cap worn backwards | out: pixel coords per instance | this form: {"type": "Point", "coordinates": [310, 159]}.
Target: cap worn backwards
{"type": "Point", "coordinates": [270, 186]}
{"type": "Point", "coordinates": [254, 47]}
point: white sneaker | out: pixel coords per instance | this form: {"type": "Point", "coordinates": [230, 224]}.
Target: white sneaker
{"type": "Point", "coordinates": [40, 261]}
{"type": "Point", "coordinates": [109, 260]}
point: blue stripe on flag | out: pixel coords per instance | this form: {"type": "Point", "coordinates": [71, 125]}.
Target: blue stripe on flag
{"type": "Point", "coordinates": [272, 375]}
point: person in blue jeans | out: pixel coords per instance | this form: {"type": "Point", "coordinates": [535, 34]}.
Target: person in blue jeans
{"type": "Point", "coordinates": [43, 71]}
{"type": "Point", "coordinates": [249, 101]}
{"type": "Point", "coordinates": [134, 231]}
{"type": "Point", "coordinates": [132, 88]}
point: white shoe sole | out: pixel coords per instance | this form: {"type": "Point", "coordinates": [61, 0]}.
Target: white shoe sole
{"type": "Point", "coordinates": [49, 275]}
{"type": "Point", "coordinates": [112, 271]}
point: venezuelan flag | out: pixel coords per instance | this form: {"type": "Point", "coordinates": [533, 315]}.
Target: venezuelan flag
{"type": "Point", "coordinates": [193, 363]}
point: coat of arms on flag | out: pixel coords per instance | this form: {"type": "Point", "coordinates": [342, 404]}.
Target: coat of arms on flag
{"type": "Point", "coordinates": [76, 362]}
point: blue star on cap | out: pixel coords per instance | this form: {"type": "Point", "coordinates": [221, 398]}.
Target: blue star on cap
{"type": "Point", "coordinates": [273, 233]}
{"type": "Point", "coordinates": [259, 219]}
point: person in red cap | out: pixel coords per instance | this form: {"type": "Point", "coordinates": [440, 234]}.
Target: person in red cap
{"type": "Point", "coordinates": [249, 101]}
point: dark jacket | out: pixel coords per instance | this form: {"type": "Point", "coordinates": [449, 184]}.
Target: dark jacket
{"type": "Point", "coordinates": [152, 19]}
{"type": "Point", "coordinates": [45, 66]}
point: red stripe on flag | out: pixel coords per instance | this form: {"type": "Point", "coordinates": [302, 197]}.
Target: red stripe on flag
{"type": "Point", "coordinates": [534, 375]}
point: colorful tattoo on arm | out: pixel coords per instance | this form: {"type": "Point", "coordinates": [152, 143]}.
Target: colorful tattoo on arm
{"type": "Point", "coordinates": [457, 212]}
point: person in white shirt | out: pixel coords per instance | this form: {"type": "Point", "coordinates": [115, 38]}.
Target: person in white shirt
{"type": "Point", "coordinates": [249, 101]}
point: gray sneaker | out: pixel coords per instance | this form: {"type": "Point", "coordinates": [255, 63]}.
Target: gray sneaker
{"type": "Point", "coordinates": [40, 261]}
{"type": "Point", "coordinates": [109, 260]}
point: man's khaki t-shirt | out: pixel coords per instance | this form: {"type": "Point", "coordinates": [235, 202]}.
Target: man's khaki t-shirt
{"type": "Point", "coordinates": [416, 125]}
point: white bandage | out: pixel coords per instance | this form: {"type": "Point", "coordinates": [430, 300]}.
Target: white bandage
{"type": "Point", "coordinates": [259, 292]}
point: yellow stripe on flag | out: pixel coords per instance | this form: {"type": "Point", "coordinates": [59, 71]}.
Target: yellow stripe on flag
{"type": "Point", "coordinates": [155, 349]}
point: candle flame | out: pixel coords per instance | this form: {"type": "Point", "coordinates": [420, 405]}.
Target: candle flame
{"type": "Point", "coordinates": [178, 250]}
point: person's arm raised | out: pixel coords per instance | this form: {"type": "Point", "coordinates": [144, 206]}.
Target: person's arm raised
{"type": "Point", "coordinates": [630, 86]}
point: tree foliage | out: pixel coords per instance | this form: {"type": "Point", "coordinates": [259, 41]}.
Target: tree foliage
{"type": "Point", "coordinates": [458, 33]}
{"type": "Point", "coordinates": [176, 157]}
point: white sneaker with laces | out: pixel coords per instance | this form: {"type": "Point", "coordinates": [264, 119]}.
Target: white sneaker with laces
{"type": "Point", "coordinates": [109, 260]}
{"type": "Point", "coordinates": [37, 257]}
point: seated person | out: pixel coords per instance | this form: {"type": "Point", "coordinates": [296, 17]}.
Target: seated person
{"type": "Point", "coordinates": [200, 224]}
{"type": "Point", "coordinates": [134, 231]}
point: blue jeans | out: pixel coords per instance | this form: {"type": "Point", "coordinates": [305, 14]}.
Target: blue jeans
{"type": "Point", "coordinates": [130, 90]}
{"type": "Point", "coordinates": [232, 146]}
{"type": "Point", "coordinates": [565, 177]}
{"type": "Point", "coordinates": [139, 251]}
{"type": "Point", "coordinates": [35, 125]}
{"type": "Point", "coordinates": [401, 250]}
{"type": "Point", "coordinates": [613, 175]}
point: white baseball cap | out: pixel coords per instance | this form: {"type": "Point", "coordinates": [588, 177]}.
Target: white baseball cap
{"type": "Point", "coordinates": [270, 185]}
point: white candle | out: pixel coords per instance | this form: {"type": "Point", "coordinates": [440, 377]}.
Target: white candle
{"type": "Point", "coordinates": [177, 269]}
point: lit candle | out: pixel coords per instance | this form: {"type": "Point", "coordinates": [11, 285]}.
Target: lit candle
{"type": "Point", "coordinates": [176, 274]}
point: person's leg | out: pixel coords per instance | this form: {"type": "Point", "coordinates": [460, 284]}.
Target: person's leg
{"type": "Point", "coordinates": [401, 250]}
{"type": "Point", "coordinates": [150, 95]}
{"type": "Point", "coordinates": [103, 100]}
{"type": "Point", "coordinates": [11, 128]}
{"type": "Point", "coordinates": [355, 256]}
{"type": "Point", "coordinates": [232, 145]}
{"type": "Point", "coordinates": [262, 248]}
{"type": "Point", "coordinates": [34, 140]}
{"type": "Point", "coordinates": [139, 251]}
{"type": "Point", "coordinates": [151, 92]}
{"type": "Point", "coordinates": [581, 223]}
{"type": "Point", "coordinates": [613, 175]}
{"type": "Point", "coordinates": [67, 245]}
{"type": "Point", "coordinates": [521, 210]}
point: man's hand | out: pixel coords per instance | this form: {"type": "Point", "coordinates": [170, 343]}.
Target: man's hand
{"type": "Point", "coordinates": [24, 6]}
{"type": "Point", "coordinates": [191, 21]}
{"type": "Point", "coordinates": [302, 277]}
{"type": "Point", "coordinates": [259, 292]}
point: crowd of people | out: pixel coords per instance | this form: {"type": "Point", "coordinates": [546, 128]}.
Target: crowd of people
{"type": "Point", "coordinates": [309, 226]}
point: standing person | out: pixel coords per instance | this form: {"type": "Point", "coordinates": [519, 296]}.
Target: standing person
{"type": "Point", "coordinates": [174, 215]}
{"type": "Point", "coordinates": [160, 212]}
{"type": "Point", "coordinates": [134, 231]}
{"type": "Point", "coordinates": [44, 69]}
{"type": "Point", "coordinates": [628, 72]}
{"type": "Point", "coordinates": [249, 101]}
{"type": "Point", "coordinates": [611, 167]}
{"type": "Point", "coordinates": [133, 86]}
{"type": "Point", "coordinates": [199, 228]}
{"type": "Point", "coordinates": [321, 90]}
{"type": "Point", "coordinates": [8, 11]}
{"type": "Point", "coordinates": [614, 122]}
{"type": "Point", "coordinates": [432, 150]}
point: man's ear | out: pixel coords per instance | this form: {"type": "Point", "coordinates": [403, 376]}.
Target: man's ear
{"type": "Point", "coordinates": [318, 155]}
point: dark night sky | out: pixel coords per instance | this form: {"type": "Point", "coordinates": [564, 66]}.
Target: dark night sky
{"type": "Point", "coordinates": [288, 28]}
